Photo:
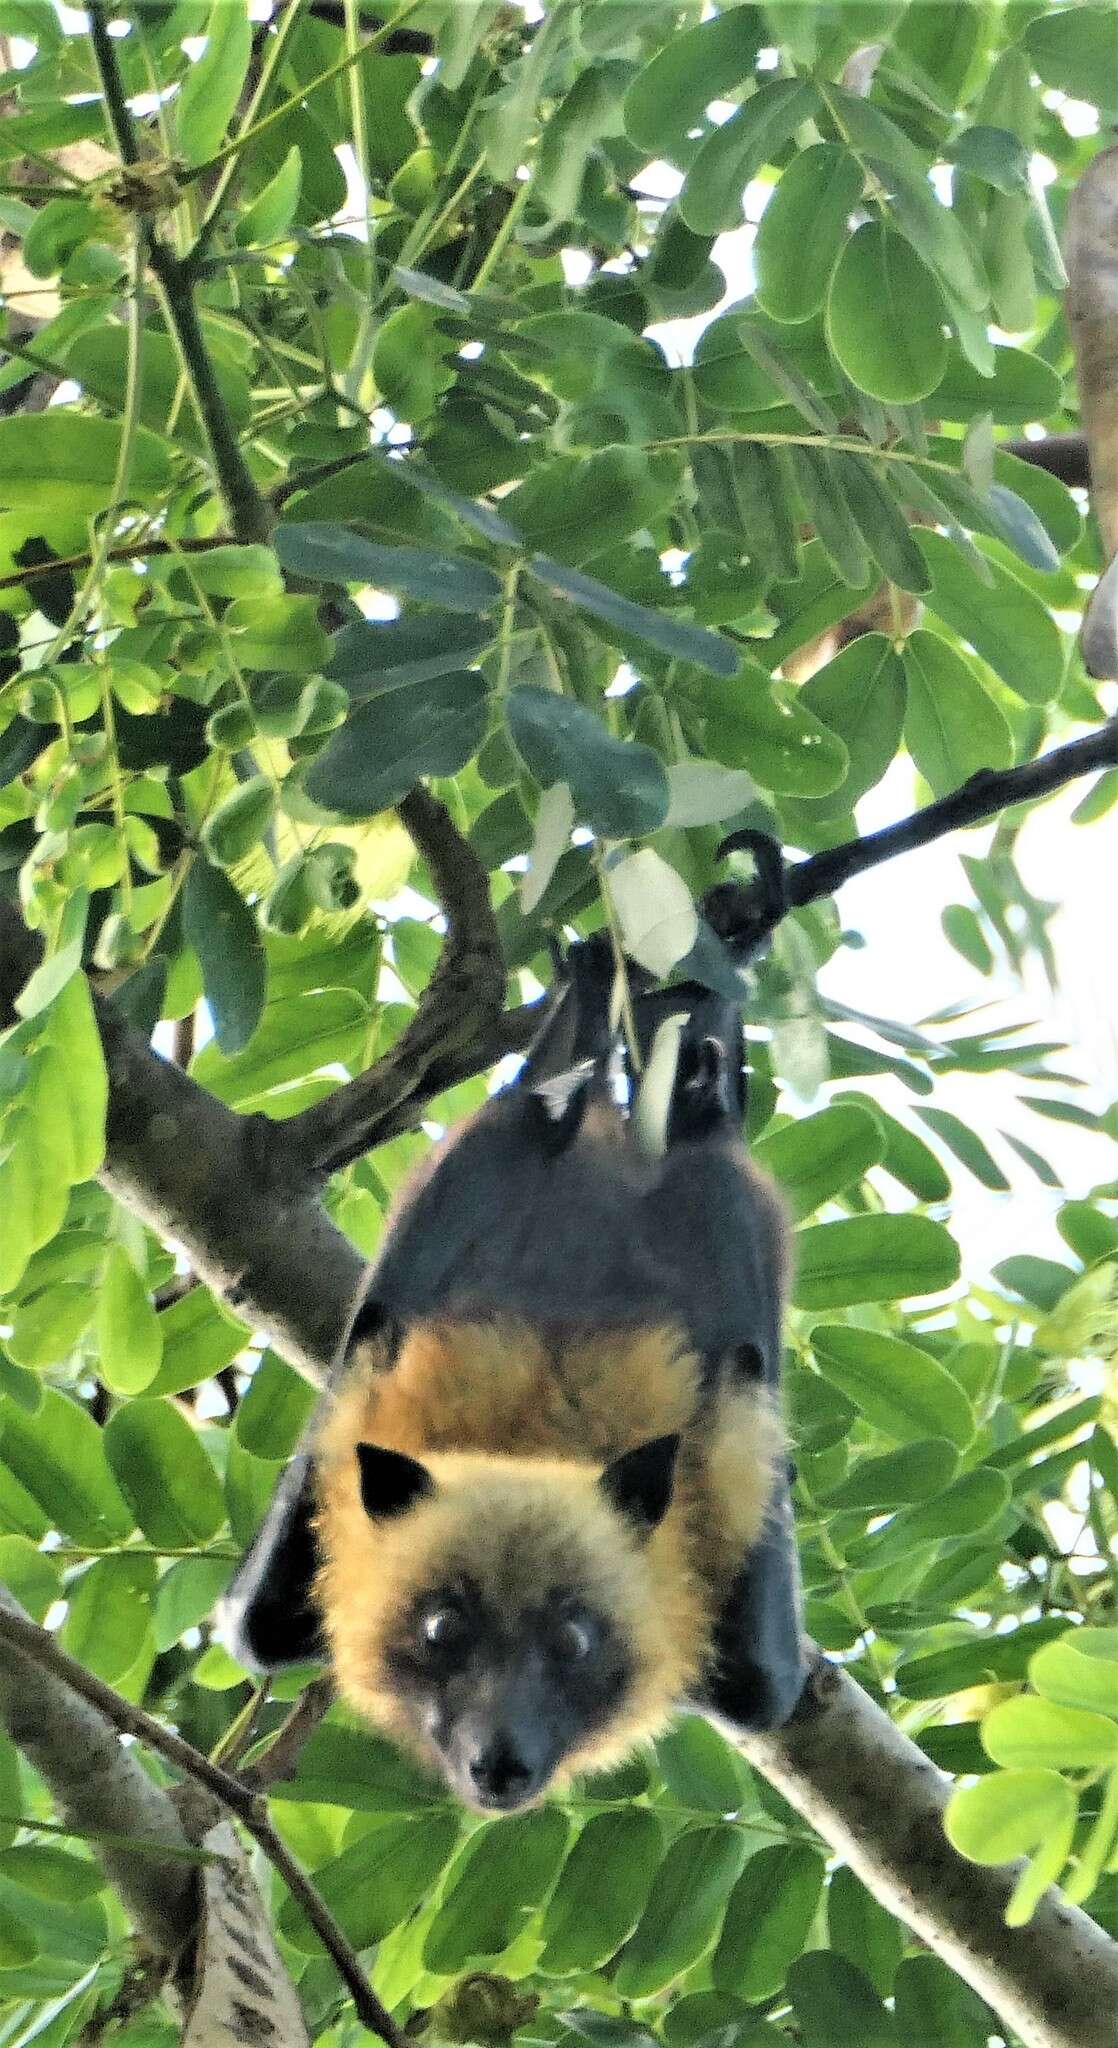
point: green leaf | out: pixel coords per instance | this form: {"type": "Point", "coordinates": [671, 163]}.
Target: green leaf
{"type": "Point", "coordinates": [337, 554]}
{"type": "Point", "coordinates": [962, 929]}
{"type": "Point", "coordinates": [129, 1339]}
{"type": "Point", "coordinates": [768, 1916]}
{"type": "Point", "coordinates": [277, 633]}
{"type": "Point", "coordinates": [164, 1474]}
{"type": "Point", "coordinates": [78, 1107]}
{"type": "Point", "coordinates": [109, 1621]}
{"type": "Point", "coordinates": [342, 1765]}
{"type": "Point", "coordinates": [701, 794]}
{"type": "Point", "coordinates": [966, 1144]}
{"type": "Point", "coordinates": [952, 725]}
{"type": "Point", "coordinates": [817, 1156]}
{"type": "Point", "coordinates": [46, 1327]}
{"type": "Point", "coordinates": [700, 1768]}
{"type": "Point", "coordinates": [753, 723]}
{"type": "Point", "coordinates": [882, 523]}
{"type": "Point", "coordinates": [1022, 388]}
{"type": "Point", "coordinates": [59, 459]}
{"type": "Point", "coordinates": [658, 919]}
{"type": "Point", "coordinates": [575, 506]}
{"type": "Point", "coordinates": [818, 476]}
{"type": "Point", "coordinates": [273, 209]}
{"type": "Point", "coordinates": [935, 233]}
{"type": "Point", "coordinates": [984, 1658]}
{"type": "Point", "coordinates": [803, 228]}
{"type": "Point", "coordinates": [31, 1575]}
{"type": "Point", "coordinates": [684, 1909]}
{"type": "Point", "coordinates": [1077, 52]}
{"type": "Point", "coordinates": [590, 111]}
{"type": "Point", "coordinates": [223, 932]}
{"type": "Point", "coordinates": [885, 317]}
{"type": "Point", "coordinates": [872, 1258]}
{"type": "Point", "coordinates": [672, 636]}
{"type": "Point", "coordinates": [59, 1456]}
{"type": "Point", "coordinates": [915, 1472]}
{"type": "Point", "coordinates": [1004, 623]}
{"type": "Point", "coordinates": [713, 190]}
{"type": "Point", "coordinates": [1006, 1814]}
{"type": "Point", "coordinates": [370, 658]}
{"type": "Point", "coordinates": [900, 1389]}
{"type": "Point", "coordinates": [835, 2003]}
{"type": "Point", "coordinates": [1079, 1671]}
{"type": "Point", "coordinates": [602, 1891]}
{"type": "Point", "coordinates": [199, 1341]}
{"type": "Point", "coordinates": [555, 818]}
{"type": "Point", "coordinates": [187, 1595]}
{"type": "Point", "coordinates": [410, 362]}
{"type": "Point", "coordinates": [1037, 1733]}
{"type": "Point", "coordinates": [389, 741]}
{"type": "Point", "coordinates": [970, 1504]}
{"type": "Point", "coordinates": [272, 1412]}
{"type": "Point", "coordinates": [995, 155]}
{"type": "Point", "coordinates": [674, 90]}
{"type": "Point", "coordinates": [379, 1880]}
{"type": "Point", "coordinates": [619, 788]}
{"type": "Point", "coordinates": [240, 821]}
{"type": "Point", "coordinates": [505, 1871]}
{"type": "Point", "coordinates": [212, 86]}
{"type": "Point", "coordinates": [860, 695]}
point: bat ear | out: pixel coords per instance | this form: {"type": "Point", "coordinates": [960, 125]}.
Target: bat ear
{"type": "Point", "coordinates": [639, 1484]}
{"type": "Point", "coordinates": [391, 1482]}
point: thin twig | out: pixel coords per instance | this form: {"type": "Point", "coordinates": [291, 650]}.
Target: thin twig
{"type": "Point", "coordinates": [240, 1799]}
{"type": "Point", "coordinates": [247, 509]}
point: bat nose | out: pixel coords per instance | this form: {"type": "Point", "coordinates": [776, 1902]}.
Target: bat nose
{"type": "Point", "coordinates": [500, 1775]}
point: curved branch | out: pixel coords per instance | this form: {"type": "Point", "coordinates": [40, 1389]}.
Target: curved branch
{"type": "Point", "coordinates": [879, 1802]}
{"type": "Point", "coordinates": [31, 1644]}
{"type": "Point", "coordinates": [459, 1008]}
{"type": "Point", "coordinates": [100, 1789]}
{"type": "Point", "coordinates": [740, 912]}
{"type": "Point", "coordinates": [198, 1172]}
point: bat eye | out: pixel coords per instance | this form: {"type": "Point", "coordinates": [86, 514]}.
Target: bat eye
{"type": "Point", "coordinates": [576, 1637]}
{"type": "Point", "coordinates": [441, 1626]}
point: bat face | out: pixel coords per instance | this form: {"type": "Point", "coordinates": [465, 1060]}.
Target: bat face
{"type": "Point", "coordinates": [504, 1616]}
{"type": "Point", "coordinates": [503, 1698]}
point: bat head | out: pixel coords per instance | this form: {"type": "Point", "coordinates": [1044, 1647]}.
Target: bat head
{"type": "Point", "coordinates": [514, 1620]}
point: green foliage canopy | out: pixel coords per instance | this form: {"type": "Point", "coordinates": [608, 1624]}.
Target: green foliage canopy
{"type": "Point", "coordinates": [404, 470]}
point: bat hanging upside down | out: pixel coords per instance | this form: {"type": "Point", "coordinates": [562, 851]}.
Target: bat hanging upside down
{"type": "Point", "coordinates": [549, 1500]}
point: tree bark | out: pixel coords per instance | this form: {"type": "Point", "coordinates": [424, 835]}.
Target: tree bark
{"type": "Point", "coordinates": [879, 1802]}
{"type": "Point", "coordinates": [101, 1788]}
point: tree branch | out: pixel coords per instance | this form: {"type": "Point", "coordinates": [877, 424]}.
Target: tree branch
{"type": "Point", "coordinates": [212, 1180]}
{"type": "Point", "coordinates": [879, 1802]}
{"type": "Point", "coordinates": [460, 1007]}
{"type": "Point", "coordinates": [30, 1643]}
{"type": "Point", "coordinates": [100, 1789]}
{"type": "Point", "coordinates": [744, 913]}
{"type": "Point", "coordinates": [246, 507]}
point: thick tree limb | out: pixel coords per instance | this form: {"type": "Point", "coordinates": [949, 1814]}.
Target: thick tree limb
{"type": "Point", "coordinates": [22, 1638]}
{"type": "Point", "coordinates": [1091, 252]}
{"type": "Point", "coordinates": [211, 1180]}
{"type": "Point", "coordinates": [100, 1789]}
{"type": "Point", "coordinates": [879, 1802]}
